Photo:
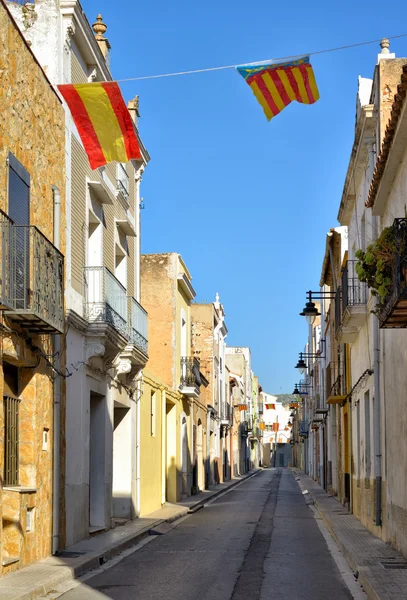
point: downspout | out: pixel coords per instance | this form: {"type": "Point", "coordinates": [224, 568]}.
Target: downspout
{"type": "Point", "coordinates": [163, 446]}
{"type": "Point", "coordinates": [56, 395]}
{"type": "Point", "coordinates": [376, 375]}
{"type": "Point", "coordinates": [376, 406]}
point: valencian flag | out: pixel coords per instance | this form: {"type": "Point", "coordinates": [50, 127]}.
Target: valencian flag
{"type": "Point", "coordinates": [103, 122]}
{"type": "Point", "coordinates": [275, 85]}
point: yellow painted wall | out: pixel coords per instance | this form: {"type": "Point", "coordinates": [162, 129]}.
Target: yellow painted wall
{"type": "Point", "coordinates": [151, 455]}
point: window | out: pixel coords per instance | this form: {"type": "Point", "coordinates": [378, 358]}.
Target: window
{"type": "Point", "coordinates": [368, 455]}
{"type": "Point", "coordinates": [18, 192]}
{"type": "Point", "coordinates": [11, 440]}
{"type": "Point", "coordinates": [45, 435]}
{"type": "Point", "coordinates": [19, 213]}
{"type": "Point", "coordinates": [153, 413]}
{"type": "Point", "coordinates": [29, 523]}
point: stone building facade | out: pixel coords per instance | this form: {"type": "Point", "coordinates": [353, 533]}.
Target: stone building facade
{"type": "Point", "coordinates": [32, 176]}
{"type": "Point", "coordinates": [208, 341]}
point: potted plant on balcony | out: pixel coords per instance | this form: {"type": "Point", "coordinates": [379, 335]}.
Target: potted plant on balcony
{"type": "Point", "coordinates": [375, 265]}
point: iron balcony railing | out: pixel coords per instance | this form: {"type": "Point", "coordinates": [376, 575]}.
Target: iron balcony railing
{"type": "Point", "coordinates": [122, 181]}
{"type": "Point", "coordinates": [105, 299]}
{"type": "Point", "coordinates": [244, 429]}
{"type": "Point", "coordinates": [32, 278]}
{"type": "Point", "coordinates": [6, 264]}
{"type": "Point", "coordinates": [335, 380]}
{"type": "Point", "coordinates": [190, 376]}
{"type": "Point", "coordinates": [225, 413]}
{"type": "Point", "coordinates": [338, 310]}
{"type": "Point", "coordinates": [137, 325]}
{"type": "Point", "coordinates": [303, 428]}
{"type": "Point", "coordinates": [354, 291]}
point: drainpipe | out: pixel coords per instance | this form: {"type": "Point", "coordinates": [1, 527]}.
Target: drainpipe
{"type": "Point", "coordinates": [56, 396]}
{"type": "Point", "coordinates": [163, 446]}
{"type": "Point", "coordinates": [376, 406]}
{"type": "Point", "coordinates": [376, 371]}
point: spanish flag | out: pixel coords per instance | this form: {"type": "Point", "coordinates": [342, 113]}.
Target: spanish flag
{"type": "Point", "coordinates": [275, 85]}
{"type": "Point", "coordinates": [103, 122]}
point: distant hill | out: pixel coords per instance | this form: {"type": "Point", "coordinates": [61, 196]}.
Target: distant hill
{"type": "Point", "coordinates": [286, 398]}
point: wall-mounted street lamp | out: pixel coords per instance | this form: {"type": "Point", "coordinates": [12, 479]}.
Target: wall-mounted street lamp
{"type": "Point", "coordinates": [297, 392]}
{"type": "Point", "coordinates": [310, 311]}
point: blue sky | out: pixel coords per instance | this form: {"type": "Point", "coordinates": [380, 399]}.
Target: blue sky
{"type": "Point", "coordinates": [247, 203]}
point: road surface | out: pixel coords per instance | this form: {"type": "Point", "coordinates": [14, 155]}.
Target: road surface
{"type": "Point", "coordinates": [259, 541]}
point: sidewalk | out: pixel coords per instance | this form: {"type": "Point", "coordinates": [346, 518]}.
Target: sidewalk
{"type": "Point", "coordinates": [380, 569]}
{"type": "Point", "coordinates": [41, 578]}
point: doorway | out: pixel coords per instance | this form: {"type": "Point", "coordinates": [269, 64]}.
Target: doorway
{"type": "Point", "coordinates": [97, 461]}
{"type": "Point", "coordinates": [184, 454]}
{"type": "Point", "coordinates": [199, 456]}
{"type": "Point", "coordinates": [122, 505]}
{"type": "Point", "coordinates": [171, 453]}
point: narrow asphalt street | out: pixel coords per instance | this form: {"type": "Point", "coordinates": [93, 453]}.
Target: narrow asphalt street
{"type": "Point", "coordinates": [259, 541]}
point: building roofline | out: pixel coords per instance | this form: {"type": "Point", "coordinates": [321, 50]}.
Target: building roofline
{"type": "Point", "coordinates": [389, 135]}
{"type": "Point", "coordinates": [14, 23]}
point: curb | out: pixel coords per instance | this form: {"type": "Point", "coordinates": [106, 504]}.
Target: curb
{"type": "Point", "coordinates": [201, 504]}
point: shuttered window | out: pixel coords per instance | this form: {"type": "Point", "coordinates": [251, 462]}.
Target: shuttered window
{"type": "Point", "coordinates": [18, 192]}
{"type": "Point", "coordinates": [11, 440]}
{"type": "Point", "coordinates": [19, 213]}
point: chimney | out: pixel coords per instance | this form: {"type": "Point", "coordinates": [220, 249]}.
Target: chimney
{"type": "Point", "coordinates": [100, 28]}
{"type": "Point", "coordinates": [133, 107]}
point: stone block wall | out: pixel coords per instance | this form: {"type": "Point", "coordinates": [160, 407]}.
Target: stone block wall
{"type": "Point", "coordinates": [32, 127]}
{"type": "Point", "coordinates": [158, 297]}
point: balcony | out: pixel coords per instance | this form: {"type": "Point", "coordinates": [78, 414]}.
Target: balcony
{"type": "Point", "coordinates": [392, 311]}
{"type": "Point", "coordinates": [32, 278]}
{"type": "Point", "coordinates": [303, 429]}
{"type": "Point", "coordinates": [226, 415]}
{"type": "Point", "coordinates": [105, 301]}
{"type": "Point", "coordinates": [352, 304]}
{"type": "Point", "coordinates": [122, 182]}
{"type": "Point", "coordinates": [137, 326]}
{"type": "Point", "coordinates": [244, 429]}
{"type": "Point", "coordinates": [335, 383]}
{"type": "Point", "coordinates": [190, 381]}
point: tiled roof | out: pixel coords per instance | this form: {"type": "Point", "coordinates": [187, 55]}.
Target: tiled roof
{"type": "Point", "coordinates": [399, 99]}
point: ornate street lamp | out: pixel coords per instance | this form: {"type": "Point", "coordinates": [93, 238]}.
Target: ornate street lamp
{"type": "Point", "coordinates": [310, 311]}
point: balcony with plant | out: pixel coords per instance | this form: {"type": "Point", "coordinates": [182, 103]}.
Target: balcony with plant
{"type": "Point", "coordinates": [383, 267]}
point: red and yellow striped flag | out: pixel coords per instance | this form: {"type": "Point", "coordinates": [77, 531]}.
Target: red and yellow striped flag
{"type": "Point", "coordinates": [275, 85]}
{"type": "Point", "coordinates": [103, 122]}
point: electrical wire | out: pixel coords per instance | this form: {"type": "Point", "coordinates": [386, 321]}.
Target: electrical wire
{"type": "Point", "coordinates": [273, 60]}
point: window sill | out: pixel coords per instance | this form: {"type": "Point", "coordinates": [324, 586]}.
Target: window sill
{"type": "Point", "coordinates": [10, 560]}
{"type": "Point", "coordinates": [19, 489]}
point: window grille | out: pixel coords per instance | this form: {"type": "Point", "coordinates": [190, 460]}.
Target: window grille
{"type": "Point", "coordinates": [11, 440]}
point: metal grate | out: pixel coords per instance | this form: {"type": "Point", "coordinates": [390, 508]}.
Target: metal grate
{"type": "Point", "coordinates": [11, 441]}
{"type": "Point", "coordinates": [398, 564]}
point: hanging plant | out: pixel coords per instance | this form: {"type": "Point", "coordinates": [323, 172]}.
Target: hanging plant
{"type": "Point", "coordinates": [375, 265]}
